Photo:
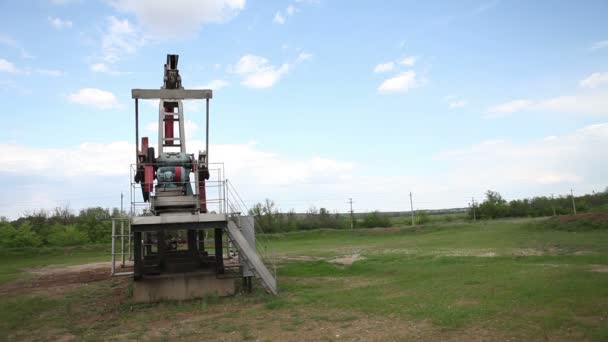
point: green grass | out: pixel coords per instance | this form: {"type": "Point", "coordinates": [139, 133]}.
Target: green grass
{"type": "Point", "coordinates": [506, 276]}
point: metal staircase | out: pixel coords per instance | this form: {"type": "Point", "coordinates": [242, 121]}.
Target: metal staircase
{"type": "Point", "coordinates": [251, 258]}
{"type": "Point", "coordinates": [257, 263]}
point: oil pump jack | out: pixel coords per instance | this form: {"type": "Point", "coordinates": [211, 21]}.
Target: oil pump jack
{"type": "Point", "coordinates": [173, 186]}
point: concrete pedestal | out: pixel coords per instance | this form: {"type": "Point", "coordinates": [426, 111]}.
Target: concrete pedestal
{"type": "Point", "coordinates": [182, 286]}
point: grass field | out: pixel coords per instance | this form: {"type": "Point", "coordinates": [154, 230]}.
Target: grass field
{"type": "Point", "coordinates": [494, 280]}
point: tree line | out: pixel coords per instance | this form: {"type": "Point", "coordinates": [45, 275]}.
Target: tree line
{"type": "Point", "coordinates": [269, 219]}
{"type": "Point", "coordinates": [62, 227]}
{"type": "Point", "coordinates": [58, 227]}
{"type": "Point", "coordinates": [495, 206]}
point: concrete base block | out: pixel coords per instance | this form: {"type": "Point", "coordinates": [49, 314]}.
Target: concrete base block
{"type": "Point", "coordinates": [181, 286]}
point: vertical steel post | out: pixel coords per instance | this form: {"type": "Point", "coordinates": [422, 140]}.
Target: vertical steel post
{"type": "Point", "coordinates": [122, 242]}
{"type": "Point", "coordinates": [136, 131]}
{"type": "Point", "coordinates": [113, 247]}
{"type": "Point", "coordinates": [207, 129]}
{"type": "Point", "coordinates": [129, 242]}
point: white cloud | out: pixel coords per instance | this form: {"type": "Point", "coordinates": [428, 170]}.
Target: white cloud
{"type": "Point", "coordinates": [12, 43]}
{"type": "Point", "coordinates": [279, 18]}
{"type": "Point", "coordinates": [6, 66]}
{"type": "Point", "coordinates": [409, 61]}
{"type": "Point", "coordinates": [179, 18]}
{"type": "Point", "coordinates": [595, 80]}
{"type": "Point", "coordinates": [506, 108]}
{"type": "Point", "coordinates": [401, 83]}
{"type": "Point", "coordinates": [257, 72]}
{"type": "Point", "coordinates": [565, 159]}
{"type": "Point", "coordinates": [290, 10]}
{"type": "Point", "coordinates": [59, 23]}
{"type": "Point", "coordinates": [516, 169]}
{"type": "Point", "coordinates": [384, 67]}
{"type": "Point", "coordinates": [106, 69]}
{"type": "Point", "coordinates": [599, 45]}
{"type": "Point", "coordinates": [215, 85]}
{"type": "Point", "coordinates": [49, 72]}
{"type": "Point", "coordinates": [257, 169]}
{"type": "Point", "coordinates": [120, 39]}
{"type": "Point", "coordinates": [592, 104]}
{"type": "Point", "coordinates": [586, 104]}
{"type": "Point", "coordinates": [457, 104]}
{"type": "Point", "coordinates": [99, 67]}
{"type": "Point", "coordinates": [303, 56]}
{"type": "Point", "coordinates": [94, 97]}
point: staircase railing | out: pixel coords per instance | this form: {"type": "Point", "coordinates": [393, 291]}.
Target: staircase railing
{"type": "Point", "coordinates": [236, 206]}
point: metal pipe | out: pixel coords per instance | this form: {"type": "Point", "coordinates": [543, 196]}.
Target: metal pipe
{"type": "Point", "coordinates": [207, 130]}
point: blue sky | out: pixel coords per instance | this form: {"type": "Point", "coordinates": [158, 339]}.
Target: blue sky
{"type": "Point", "coordinates": [314, 101]}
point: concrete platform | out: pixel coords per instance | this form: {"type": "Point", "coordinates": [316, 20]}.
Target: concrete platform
{"type": "Point", "coordinates": [182, 286]}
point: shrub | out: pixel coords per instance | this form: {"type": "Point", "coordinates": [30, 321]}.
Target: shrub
{"type": "Point", "coordinates": [575, 223]}
{"type": "Point", "coordinates": [375, 219]}
{"type": "Point", "coordinates": [67, 236]}
{"type": "Point", "coordinates": [20, 236]}
{"type": "Point", "coordinates": [423, 217]}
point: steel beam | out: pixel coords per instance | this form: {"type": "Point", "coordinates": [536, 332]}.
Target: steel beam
{"type": "Point", "coordinates": [172, 94]}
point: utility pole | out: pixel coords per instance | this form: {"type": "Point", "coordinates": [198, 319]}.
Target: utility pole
{"type": "Point", "coordinates": [473, 206]}
{"type": "Point", "coordinates": [352, 221]}
{"type": "Point", "coordinates": [552, 204]}
{"type": "Point", "coordinates": [412, 208]}
{"type": "Point", "coordinates": [573, 205]}
{"type": "Point", "coordinates": [121, 197]}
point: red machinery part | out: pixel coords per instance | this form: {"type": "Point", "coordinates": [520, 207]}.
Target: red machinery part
{"type": "Point", "coordinates": [144, 145]}
{"type": "Point", "coordinates": [178, 174]}
{"type": "Point", "coordinates": [148, 178]}
{"type": "Point", "coordinates": [169, 125]}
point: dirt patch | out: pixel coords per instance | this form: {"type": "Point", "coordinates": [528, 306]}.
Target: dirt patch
{"type": "Point", "coordinates": [347, 260]}
{"type": "Point", "coordinates": [57, 279]}
{"type": "Point", "coordinates": [483, 253]}
{"type": "Point", "coordinates": [45, 270]}
{"type": "Point", "coordinates": [596, 217]}
{"type": "Point", "coordinates": [466, 302]}
{"type": "Point", "coordinates": [301, 258]}
{"type": "Point", "coordinates": [527, 252]}
{"type": "Point", "coordinates": [599, 268]}
{"type": "Point", "coordinates": [591, 320]}
{"type": "Point", "coordinates": [585, 253]}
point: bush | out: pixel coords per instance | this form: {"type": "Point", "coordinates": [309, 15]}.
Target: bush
{"type": "Point", "coordinates": [375, 219]}
{"type": "Point", "coordinates": [67, 236]}
{"type": "Point", "coordinates": [20, 236]}
{"type": "Point", "coordinates": [575, 223]}
{"type": "Point", "coordinates": [423, 217]}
